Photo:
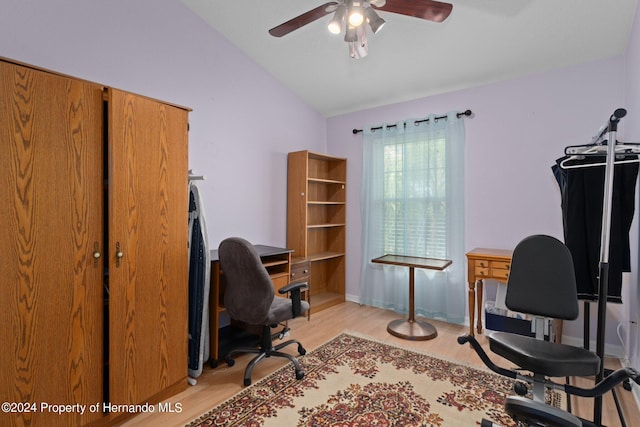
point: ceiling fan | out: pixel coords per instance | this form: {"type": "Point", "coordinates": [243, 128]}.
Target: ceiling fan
{"type": "Point", "coordinates": [350, 15]}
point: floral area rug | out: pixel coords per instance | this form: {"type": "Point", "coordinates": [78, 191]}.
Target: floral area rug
{"type": "Point", "coordinates": [353, 381]}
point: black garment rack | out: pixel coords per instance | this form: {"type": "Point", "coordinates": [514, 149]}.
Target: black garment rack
{"type": "Point", "coordinates": [611, 149]}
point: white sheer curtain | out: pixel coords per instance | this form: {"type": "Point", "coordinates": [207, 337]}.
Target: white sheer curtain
{"type": "Point", "coordinates": [413, 204]}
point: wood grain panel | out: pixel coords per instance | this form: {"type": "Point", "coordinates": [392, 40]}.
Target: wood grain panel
{"type": "Point", "coordinates": [297, 197]}
{"type": "Point", "coordinates": [51, 217]}
{"type": "Point", "coordinates": [148, 220]}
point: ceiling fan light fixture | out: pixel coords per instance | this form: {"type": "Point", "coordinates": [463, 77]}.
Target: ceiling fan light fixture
{"type": "Point", "coordinates": [375, 22]}
{"type": "Point", "coordinates": [336, 23]}
{"type": "Point", "coordinates": [355, 18]}
{"type": "Point", "coordinates": [358, 49]}
{"type": "Point", "coordinates": [351, 35]}
{"type": "Point", "coordinates": [356, 14]}
{"type": "Point", "coordinates": [349, 15]}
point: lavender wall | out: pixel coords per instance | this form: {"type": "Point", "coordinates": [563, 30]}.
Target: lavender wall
{"type": "Point", "coordinates": [243, 122]}
{"type": "Point", "coordinates": [518, 129]}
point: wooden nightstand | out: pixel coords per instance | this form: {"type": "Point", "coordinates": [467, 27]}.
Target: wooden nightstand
{"type": "Point", "coordinates": [484, 263]}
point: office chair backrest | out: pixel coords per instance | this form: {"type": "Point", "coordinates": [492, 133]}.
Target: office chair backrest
{"type": "Point", "coordinates": [249, 291]}
{"type": "Point", "coordinates": [542, 281]}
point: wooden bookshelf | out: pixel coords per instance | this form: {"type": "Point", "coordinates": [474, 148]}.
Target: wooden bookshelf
{"type": "Point", "coordinates": [316, 222]}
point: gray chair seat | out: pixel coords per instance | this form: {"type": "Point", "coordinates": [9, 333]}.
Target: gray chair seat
{"type": "Point", "coordinates": [280, 310]}
{"type": "Point", "coordinates": [544, 357]}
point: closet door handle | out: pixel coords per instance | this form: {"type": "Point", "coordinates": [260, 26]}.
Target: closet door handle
{"type": "Point", "coordinates": [119, 254]}
{"type": "Point", "coordinates": [96, 254]}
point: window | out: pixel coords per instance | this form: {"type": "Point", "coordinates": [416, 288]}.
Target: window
{"type": "Point", "coordinates": [414, 198]}
{"type": "Point", "coordinates": [412, 203]}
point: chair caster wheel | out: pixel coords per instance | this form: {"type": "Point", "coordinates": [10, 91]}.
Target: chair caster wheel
{"type": "Point", "coordinates": [301, 350]}
{"type": "Point", "coordinates": [299, 375]}
{"type": "Point", "coordinates": [230, 361]}
{"type": "Point", "coordinates": [247, 382]}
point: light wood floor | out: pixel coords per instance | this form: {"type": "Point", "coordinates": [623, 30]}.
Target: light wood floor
{"type": "Point", "coordinates": [217, 385]}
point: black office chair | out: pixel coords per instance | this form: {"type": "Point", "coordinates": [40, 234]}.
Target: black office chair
{"type": "Point", "coordinates": [249, 299]}
{"type": "Point", "coordinates": [542, 283]}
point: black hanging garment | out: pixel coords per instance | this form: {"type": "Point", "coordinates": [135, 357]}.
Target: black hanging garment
{"type": "Point", "coordinates": [582, 192]}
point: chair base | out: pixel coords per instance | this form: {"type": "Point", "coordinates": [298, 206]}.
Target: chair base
{"type": "Point", "coordinates": [267, 349]}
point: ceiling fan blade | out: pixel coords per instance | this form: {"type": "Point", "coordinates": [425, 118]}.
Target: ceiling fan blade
{"type": "Point", "coordinates": [425, 9]}
{"type": "Point", "coordinates": [302, 20]}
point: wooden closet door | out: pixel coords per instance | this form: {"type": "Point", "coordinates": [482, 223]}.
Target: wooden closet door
{"type": "Point", "coordinates": [51, 219]}
{"type": "Point", "coordinates": [148, 221]}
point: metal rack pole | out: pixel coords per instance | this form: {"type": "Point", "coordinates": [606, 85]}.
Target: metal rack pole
{"type": "Point", "coordinates": [603, 279]}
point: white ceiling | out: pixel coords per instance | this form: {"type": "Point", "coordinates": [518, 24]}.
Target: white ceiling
{"type": "Point", "coordinates": [482, 41]}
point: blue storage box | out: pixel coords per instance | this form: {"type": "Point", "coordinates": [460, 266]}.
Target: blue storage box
{"type": "Point", "coordinates": [497, 320]}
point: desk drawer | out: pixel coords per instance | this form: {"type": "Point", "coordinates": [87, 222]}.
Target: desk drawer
{"type": "Point", "coordinates": [279, 281]}
{"type": "Point", "coordinates": [300, 272]}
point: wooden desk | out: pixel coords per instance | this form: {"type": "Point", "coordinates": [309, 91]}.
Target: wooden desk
{"type": "Point", "coordinates": [412, 329]}
{"type": "Point", "coordinates": [484, 263]}
{"type": "Point", "coordinates": [276, 260]}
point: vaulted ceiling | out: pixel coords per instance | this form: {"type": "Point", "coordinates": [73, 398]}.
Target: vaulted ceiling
{"type": "Point", "coordinates": [482, 41]}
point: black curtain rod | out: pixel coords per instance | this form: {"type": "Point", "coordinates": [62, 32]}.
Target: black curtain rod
{"type": "Point", "coordinates": [465, 113]}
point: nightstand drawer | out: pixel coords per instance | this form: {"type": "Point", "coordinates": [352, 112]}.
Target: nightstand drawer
{"type": "Point", "coordinates": [482, 271]}
{"type": "Point", "coordinates": [499, 274]}
{"type": "Point", "coordinates": [481, 263]}
{"type": "Point", "coordinates": [500, 265]}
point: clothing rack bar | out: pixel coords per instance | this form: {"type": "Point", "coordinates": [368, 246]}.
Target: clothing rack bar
{"type": "Point", "coordinates": [612, 149]}
{"type": "Point", "coordinates": [464, 113]}
{"type": "Point", "coordinates": [603, 279]}
{"type": "Point", "coordinates": [604, 129]}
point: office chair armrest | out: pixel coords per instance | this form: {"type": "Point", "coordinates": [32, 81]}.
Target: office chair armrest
{"type": "Point", "coordinates": [292, 287]}
{"type": "Point", "coordinates": [295, 293]}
